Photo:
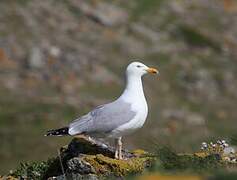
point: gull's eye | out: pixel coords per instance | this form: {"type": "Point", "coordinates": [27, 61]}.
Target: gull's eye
{"type": "Point", "coordinates": [139, 66]}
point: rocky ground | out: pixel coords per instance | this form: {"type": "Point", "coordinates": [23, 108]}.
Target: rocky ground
{"type": "Point", "coordinates": [84, 158]}
{"type": "Point", "coordinates": [59, 59]}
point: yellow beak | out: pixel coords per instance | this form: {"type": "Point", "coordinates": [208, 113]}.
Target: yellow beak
{"type": "Point", "coordinates": [152, 70]}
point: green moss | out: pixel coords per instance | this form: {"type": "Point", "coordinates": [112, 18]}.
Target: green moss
{"type": "Point", "coordinates": [103, 164]}
{"type": "Point", "coordinates": [172, 161]}
{"type": "Point", "coordinates": [91, 159]}
{"type": "Point", "coordinates": [166, 161]}
{"type": "Point", "coordinates": [139, 152]}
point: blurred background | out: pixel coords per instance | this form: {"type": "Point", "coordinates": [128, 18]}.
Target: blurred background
{"type": "Point", "coordinates": [60, 58]}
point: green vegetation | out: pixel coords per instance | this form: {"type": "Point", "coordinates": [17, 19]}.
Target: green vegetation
{"type": "Point", "coordinates": [84, 161]}
{"type": "Point", "coordinates": [31, 170]}
{"type": "Point", "coordinates": [117, 167]}
{"type": "Point", "coordinates": [173, 162]}
{"type": "Point", "coordinates": [164, 162]}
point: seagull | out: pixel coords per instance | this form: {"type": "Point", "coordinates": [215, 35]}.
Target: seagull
{"type": "Point", "coordinates": [118, 118]}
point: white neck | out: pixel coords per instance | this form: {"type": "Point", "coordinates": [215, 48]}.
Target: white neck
{"type": "Point", "coordinates": [134, 88]}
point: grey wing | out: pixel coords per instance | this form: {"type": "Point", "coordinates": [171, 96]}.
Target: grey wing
{"type": "Point", "coordinates": [103, 119]}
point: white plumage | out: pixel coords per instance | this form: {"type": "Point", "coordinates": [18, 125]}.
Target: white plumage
{"type": "Point", "coordinates": [118, 118]}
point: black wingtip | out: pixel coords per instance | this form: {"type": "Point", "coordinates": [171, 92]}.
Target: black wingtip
{"type": "Point", "coordinates": [57, 132]}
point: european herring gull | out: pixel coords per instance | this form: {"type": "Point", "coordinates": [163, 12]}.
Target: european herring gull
{"type": "Point", "coordinates": [118, 118]}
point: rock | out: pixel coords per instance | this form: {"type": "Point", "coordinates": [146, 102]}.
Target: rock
{"type": "Point", "coordinates": [85, 159]}
{"type": "Point", "coordinates": [104, 13]}
{"type": "Point", "coordinates": [77, 165]}
{"type": "Point", "coordinates": [54, 51]}
{"type": "Point", "coordinates": [83, 146]}
{"type": "Point", "coordinates": [76, 177]}
{"type": "Point", "coordinates": [86, 177]}
{"type": "Point", "coordinates": [36, 58]}
{"type": "Point", "coordinates": [95, 157]}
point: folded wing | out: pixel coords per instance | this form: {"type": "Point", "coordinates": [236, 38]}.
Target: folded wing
{"type": "Point", "coordinates": [103, 119]}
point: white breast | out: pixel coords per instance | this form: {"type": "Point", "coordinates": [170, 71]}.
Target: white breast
{"type": "Point", "coordinates": [134, 95]}
{"type": "Point", "coordinates": [140, 107]}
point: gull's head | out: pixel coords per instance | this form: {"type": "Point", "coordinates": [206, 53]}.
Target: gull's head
{"type": "Point", "coordinates": [139, 69]}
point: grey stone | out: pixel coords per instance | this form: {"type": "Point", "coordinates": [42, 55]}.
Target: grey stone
{"type": "Point", "coordinates": [77, 165]}
{"type": "Point", "coordinates": [36, 58]}
{"type": "Point", "coordinates": [73, 176]}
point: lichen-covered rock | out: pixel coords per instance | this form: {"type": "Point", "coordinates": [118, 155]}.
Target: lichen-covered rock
{"type": "Point", "coordinates": [93, 157]}
{"type": "Point", "coordinates": [109, 165]}
{"type": "Point", "coordinates": [86, 159]}
{"type": "Point", "coordinates": [94, 160]}
{"type": "Point", "coordinates": [82, 145]}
